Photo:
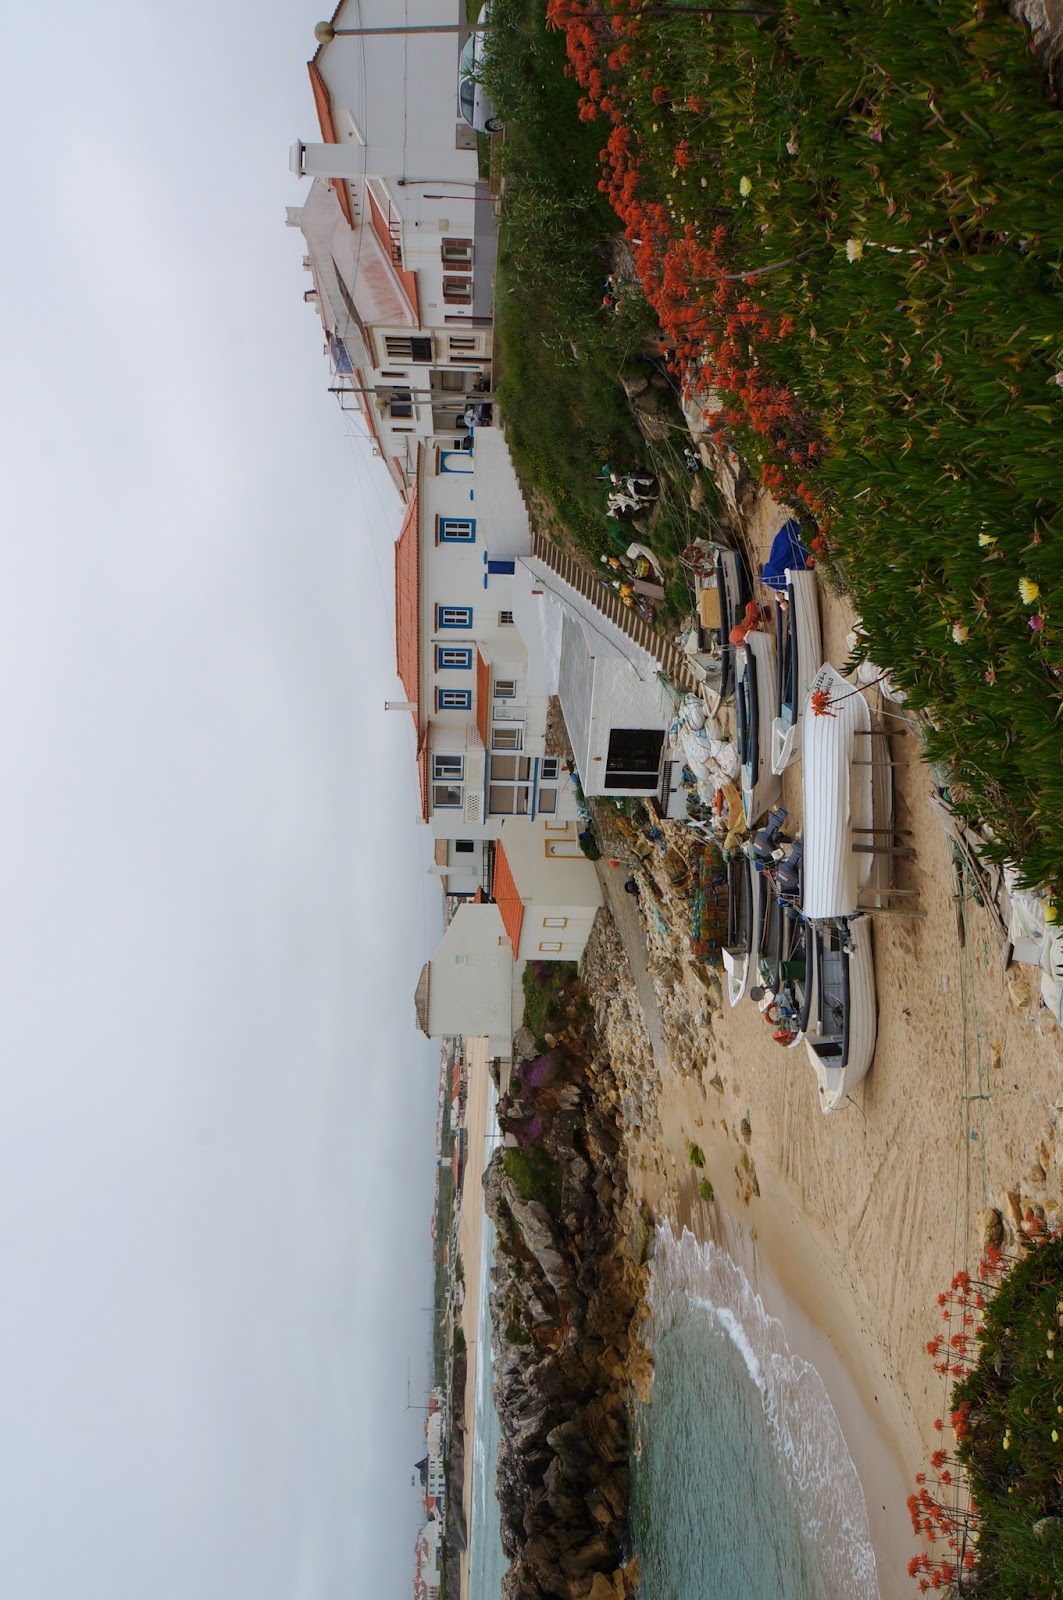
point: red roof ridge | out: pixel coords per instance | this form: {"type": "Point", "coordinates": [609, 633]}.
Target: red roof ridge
{"type": "Point", "coordinates": [507, 898]}
{"type": "Point", "coordinates": [323, 103]}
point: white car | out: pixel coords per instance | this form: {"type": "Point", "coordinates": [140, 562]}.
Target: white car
{"type": "Point", "coordinates": [473, 101]}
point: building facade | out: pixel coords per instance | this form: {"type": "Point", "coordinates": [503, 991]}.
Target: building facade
{"type": "Point", "coordinates": [399, 231]}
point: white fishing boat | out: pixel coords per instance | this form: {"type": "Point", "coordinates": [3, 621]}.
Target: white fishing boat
{"type": "Point", "coordinates": [755, 708]}
{"type": "Point", "coordinates": [843, 1020]}
{"type": "Point", "coordinates": [847, 792]}
{"type": "Point", "coordinates": [747, 894]}
{"type": "Point", "coordinates": [799, 656]}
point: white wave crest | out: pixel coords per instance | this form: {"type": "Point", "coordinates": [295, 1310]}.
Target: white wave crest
{"type": "Point", "coordinates": [806, 1435]}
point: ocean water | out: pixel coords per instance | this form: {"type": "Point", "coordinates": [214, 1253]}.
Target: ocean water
{"type": "Point", "coordinates": [487, 1562]}
{"type": "Point", "coordinates": [742, 1485]}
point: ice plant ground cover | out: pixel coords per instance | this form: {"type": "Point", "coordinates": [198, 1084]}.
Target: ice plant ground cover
{"type": "Point", "coordinates": [847, 222]}
{"type": "Point", "coordinates": [989, 1513]}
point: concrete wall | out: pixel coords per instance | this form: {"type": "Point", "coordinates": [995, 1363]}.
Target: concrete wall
{"type": "Point", "coordinates": [471, 979]}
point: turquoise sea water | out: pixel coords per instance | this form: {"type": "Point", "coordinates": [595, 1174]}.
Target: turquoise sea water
{"type": "Point", "coordinates": [742, 1485]}
{"type": "Point", "coordinates": [743, 1488]}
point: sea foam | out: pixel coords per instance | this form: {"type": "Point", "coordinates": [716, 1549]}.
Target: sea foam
{"type": "Point", "coordinates": [691, 1279]}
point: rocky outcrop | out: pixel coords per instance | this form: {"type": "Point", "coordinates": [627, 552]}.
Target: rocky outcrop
{"type": "Point", "coordinates": [565, 1309]}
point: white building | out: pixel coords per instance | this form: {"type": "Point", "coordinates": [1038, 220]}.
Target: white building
{"type": "Point", "coordinates": [399, 229]}
{"type": "Point", "coordinates": [477, 695]}
{"type": "Point", "coordinates": [546, 896]}
{"type": "Point", "coordinates": [616, 704]}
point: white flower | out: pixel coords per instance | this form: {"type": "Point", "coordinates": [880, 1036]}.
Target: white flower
{"type": "Point", "coordinates": [791, 147]}
{"type": "Point", "coordinates": [854, 249]}
{"type": "Point", "coordinates": [960, 633]}
{"type": "Point", "coordinates": [745, 186]}
{"type": "Point", "coordinates": [987, 540]}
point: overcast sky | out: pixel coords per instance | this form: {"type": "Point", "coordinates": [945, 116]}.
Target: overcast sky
{"type": "Point", "coordinates": [217, 1120]}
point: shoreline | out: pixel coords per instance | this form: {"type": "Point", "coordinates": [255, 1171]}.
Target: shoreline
{"type": "Point", "coordinates": [786, 1271]}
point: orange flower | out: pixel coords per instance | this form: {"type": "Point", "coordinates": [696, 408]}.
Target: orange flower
{"type": "Point", "coordinates": [821, 703]}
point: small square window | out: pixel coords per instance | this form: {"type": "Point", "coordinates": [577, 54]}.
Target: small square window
{"type": "Point", "coordinates": [505, 689]}
{"type": "Point", "coordinates": [464, 847]}
{"type": "Point", "coordinates": [453, 699]}
{"type": "Point", "coordinates": [555, 922]}
{"type": "Point", "coordinates": [506, 738]}
{"type": "Point", "coordinates": [456, 530]}
{"type": "Point", "coordinates": [505, 619]}
{"type": "Point", "coordinates": [550, 948]}
{"type": "Point", "coordinates": [448, 767]}
{"type": "Point", "coordinates": [453, 616]}
{"type": "Point", "coordinates": [547, 801]}
{"type": "Point", "coordinates": [446, 794]}
{"type": "Point", "coordinates": [549, 767]}
{"type": "Point", "coordinates": [452, 658]}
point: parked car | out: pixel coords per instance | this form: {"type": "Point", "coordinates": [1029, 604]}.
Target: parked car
{"type": "Point", "coordinates": [473, 100]}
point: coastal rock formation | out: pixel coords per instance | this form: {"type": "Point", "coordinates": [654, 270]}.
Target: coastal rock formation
{"type": "Point", "coordinates": [565, 1306]}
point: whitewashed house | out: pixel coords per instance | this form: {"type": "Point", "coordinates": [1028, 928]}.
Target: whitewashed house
{"type": "Point", "coordinates": [477, 696]}
{"type": "Point", "coordinates": [546, 894]}
{"type": "Point", "coordinates": [616, 704]}
{"type": "Point", "coordinates": [399, 229]}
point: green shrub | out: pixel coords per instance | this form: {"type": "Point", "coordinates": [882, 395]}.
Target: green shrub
{"type": "Point", "coordinates": [536, 1176]}
{"type": "Point", "coordinates": [1008, 1419]}
{"type": "Point", "coordinates": [695, 1155]}
{"type": "Point", "coordinates": [547, 987]}
{"type": "Point", "coordinates": [706, 1192]}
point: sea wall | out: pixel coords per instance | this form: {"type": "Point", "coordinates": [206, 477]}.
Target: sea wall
{"type": "Point", "coordinates": [566, 1305]}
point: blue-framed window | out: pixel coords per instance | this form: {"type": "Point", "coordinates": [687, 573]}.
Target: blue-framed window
{"type": "Point", "coordinates": [453, 658]}
{"type": "Point", "coordinates": [453, 699]}
{"type": "Point", "coordinates": [502, 568]}
{"type": "Point", "coordinates": [448, 767]}
{"type": "Point", "coordinates": [456, 530]}
{"type": "Point", "coordinates": [453, 616]}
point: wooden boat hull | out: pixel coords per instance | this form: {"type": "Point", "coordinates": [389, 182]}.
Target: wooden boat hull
{"type": "Point", "coordinates": [799, 642]}
{"type": "Point", "coordinates": [840, 1038]}
{"type": "Point", "coordinates": [755, 708]}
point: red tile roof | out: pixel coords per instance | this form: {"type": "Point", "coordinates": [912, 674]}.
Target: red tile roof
{"type": "Point", "coordinates": [508, 901]}
{"type": "Point", "coordinates": [383, 233]}
{"type": "Point", "coordinates": [323, 103]}
{"type": "Point", "coordinates": [483, 697]}
{"type": "Point", "coordinates": [408, 603]}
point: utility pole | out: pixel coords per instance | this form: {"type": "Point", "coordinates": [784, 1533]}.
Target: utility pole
{"type": "Point", "coordinates": [324, 33]}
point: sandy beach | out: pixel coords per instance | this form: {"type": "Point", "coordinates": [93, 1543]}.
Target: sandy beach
{"type": "Point", "coordinates": [851, 1224]}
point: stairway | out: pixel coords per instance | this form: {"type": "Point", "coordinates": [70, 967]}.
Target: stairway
{"type": "Point", "coordinates": [587, 583]}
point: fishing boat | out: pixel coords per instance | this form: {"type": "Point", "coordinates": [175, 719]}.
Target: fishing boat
{"type": "Point", "coordinates": [755, 707]}
{"type": "Point", "coordinates": [721, 606]}
{"type": "Point", "coordinates": [841, 1029]}
{"type": "Point", "coordinates": [747, 894]}
{"type": "Point", "coordinates": [847, 793]}
{"type": "Point", "coordinates": [799, 656]}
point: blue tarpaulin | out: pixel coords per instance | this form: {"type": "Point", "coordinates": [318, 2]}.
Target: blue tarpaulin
{"type": "Point", "coordinates": [786, 551]}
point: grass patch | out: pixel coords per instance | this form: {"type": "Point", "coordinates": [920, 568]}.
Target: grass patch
{"type": "Point", "coordinates": [706, 1192]}
{"type": "Point", "coordinates": [848, 223]}
{"type": "Point", "coordinates": [561, 353]}
{"type": "Point", "coordinates": [547, 989]}
{"type": "Point", "coordinates": [695, 1155]}
{"type": "Point", "coordinates": [536, 1176]}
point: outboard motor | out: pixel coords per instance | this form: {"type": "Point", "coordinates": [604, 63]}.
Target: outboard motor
{"type": "Point", "coordinates": [788, 873]}
{"type": "Point", "coordinates": [770, 838]}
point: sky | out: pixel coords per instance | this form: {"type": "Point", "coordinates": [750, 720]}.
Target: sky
{"type": "Point", "coordinates": [216, 1117]}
